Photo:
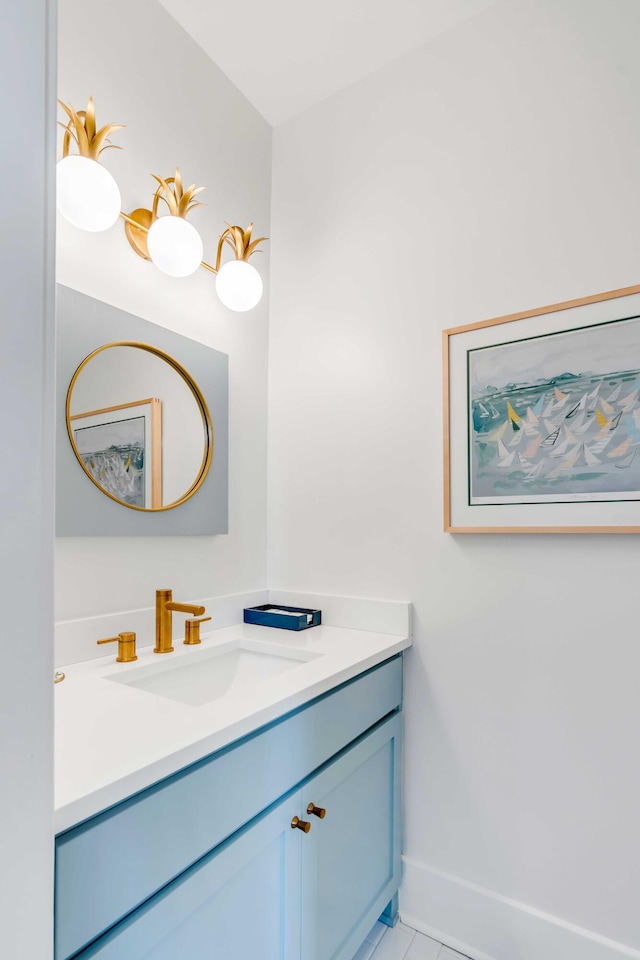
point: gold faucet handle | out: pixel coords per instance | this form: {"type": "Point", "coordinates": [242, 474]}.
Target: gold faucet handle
{"type": "Point", "coordinates": [192, 630]}
{"type": "Point", "coordinates": [126, 646]}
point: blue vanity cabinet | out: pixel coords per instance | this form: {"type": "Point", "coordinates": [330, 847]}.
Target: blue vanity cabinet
{"type": "Point", "coordinates": [274, 892]}
{"type": "Point", "coordinates": [206, 864]}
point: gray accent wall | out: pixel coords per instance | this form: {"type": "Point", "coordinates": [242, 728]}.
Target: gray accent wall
{"type": "Point", "coordinates": [82, 510]}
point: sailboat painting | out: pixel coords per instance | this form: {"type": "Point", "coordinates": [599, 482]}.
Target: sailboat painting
{"type": "Point", "coordinates": [555, 418]}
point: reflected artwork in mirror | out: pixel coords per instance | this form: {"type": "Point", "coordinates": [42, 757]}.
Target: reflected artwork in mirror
{"type": "Point", "coordinates": [139, 426]}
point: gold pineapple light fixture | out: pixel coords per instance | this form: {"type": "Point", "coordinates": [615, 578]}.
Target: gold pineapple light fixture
{"type": "Point", "coordinates": [238, 283]}
{"type": "Point", "coordinates": [88, 196]}
{"type": "Point", "coordinates": [171, 242]}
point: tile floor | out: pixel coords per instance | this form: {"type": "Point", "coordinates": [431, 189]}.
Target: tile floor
{"type": "Point", "coordinates": [403, 943]}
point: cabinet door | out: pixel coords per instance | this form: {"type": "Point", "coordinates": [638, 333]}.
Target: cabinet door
{"type": "Point", "coordinates": [351, 857]}
{"type": "Point", "coordinates": [240, 902]}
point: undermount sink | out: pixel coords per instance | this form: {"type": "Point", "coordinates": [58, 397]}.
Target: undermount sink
{"type": "Point", "coordinates": [198, 677]}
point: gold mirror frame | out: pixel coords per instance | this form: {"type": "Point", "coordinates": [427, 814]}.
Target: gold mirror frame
{"type": "Point", "coordinates": [202, 406]}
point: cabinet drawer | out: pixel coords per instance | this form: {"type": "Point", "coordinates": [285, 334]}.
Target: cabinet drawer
{"type": "Point", "coordinates": [111, 864]}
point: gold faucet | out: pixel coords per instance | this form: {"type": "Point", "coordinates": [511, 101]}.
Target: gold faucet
{"type": "Point", "coordinates": [164, 624]}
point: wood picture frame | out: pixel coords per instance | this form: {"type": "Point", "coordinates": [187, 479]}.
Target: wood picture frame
{"type": "Point", "coordinates": [579, 416]}
{"type": "Point", "coordinates": [114, 426]}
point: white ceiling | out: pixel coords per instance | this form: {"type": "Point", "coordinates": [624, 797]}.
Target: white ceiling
{"type": "Point", "coordinates": [286, 55]}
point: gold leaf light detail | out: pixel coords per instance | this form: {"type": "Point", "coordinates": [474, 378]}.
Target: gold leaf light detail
{"type": "Point", "coordinates": [240, 242]}
{"type": "Point", "coordinates": [82, 129]}
{"type": "Point", "coordinates": [179, 200]}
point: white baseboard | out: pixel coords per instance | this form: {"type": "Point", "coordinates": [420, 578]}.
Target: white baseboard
{"type": "Point", "coordinates": [484, 925]}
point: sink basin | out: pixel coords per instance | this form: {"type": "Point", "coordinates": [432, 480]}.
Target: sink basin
{"type": "Point", "coordinates": [198, 677]}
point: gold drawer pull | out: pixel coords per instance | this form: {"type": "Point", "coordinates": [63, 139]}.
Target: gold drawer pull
{"type": "Point", "coordinates": [300, 825]}
{"type": "Point", "coordinates": [317, 811]}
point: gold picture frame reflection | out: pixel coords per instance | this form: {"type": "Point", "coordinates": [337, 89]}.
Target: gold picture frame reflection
{"type": "Point", "coordinates": [120, 448]}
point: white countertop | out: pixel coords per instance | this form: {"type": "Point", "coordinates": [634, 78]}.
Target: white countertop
{"type": "Point", "coordinates": [112, 740]}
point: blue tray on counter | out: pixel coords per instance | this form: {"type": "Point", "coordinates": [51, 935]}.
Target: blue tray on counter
{"type": "Point", "coordinates": [288, 618]}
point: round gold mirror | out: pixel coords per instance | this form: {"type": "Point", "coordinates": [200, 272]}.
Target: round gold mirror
{"type": "Point", "coordinates": [139, 426]}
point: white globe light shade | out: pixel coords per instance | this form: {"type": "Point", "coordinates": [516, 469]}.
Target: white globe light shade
{"type": "Point", "coordinates": [239, 285]}
{"type": "Point", "coordinates": [86, 194]}
{"type": "Point", "coordinates": [175, 246]}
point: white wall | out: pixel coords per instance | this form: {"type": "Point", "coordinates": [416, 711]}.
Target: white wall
{"type": "Point", "coordinates": [145, 72]}
{"type": "Point", "coordinates": [27, 91]}
{"type": "Point", "coordinates": [493, 170]}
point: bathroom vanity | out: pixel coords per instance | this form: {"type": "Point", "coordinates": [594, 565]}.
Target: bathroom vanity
{"type": "Point", "coordinates": [260, 825]}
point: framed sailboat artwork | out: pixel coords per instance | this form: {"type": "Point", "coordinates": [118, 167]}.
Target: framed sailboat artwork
{"type": "Point", "coordinates": [542, 419]}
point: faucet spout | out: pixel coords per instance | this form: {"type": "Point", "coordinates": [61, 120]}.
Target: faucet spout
{"type": "Point", "coordinates": [165, 605]}
{"type": "Point", "coordinates": [195, 609]}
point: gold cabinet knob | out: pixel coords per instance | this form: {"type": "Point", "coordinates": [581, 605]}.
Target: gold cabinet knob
{"type": "Point", "coordinates": [317, 811]}
{"type": "Point", "coordinates": [297, 824]}
{"type": "Point", "coordinates": [192, 630]}
{"type": "Point", "coordinates": [126, 646]}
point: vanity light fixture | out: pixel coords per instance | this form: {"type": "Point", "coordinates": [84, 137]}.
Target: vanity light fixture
{"type": "Point", "coordinates": [238, 283]}
{"type": "Point", "coordinates": [173, 244]}
{"type": "Point", "coordinates": [88, 197]}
